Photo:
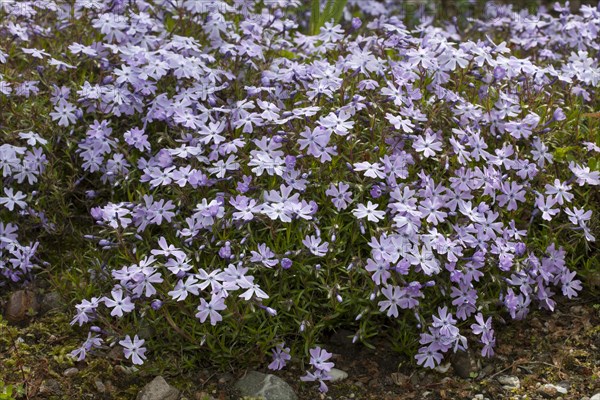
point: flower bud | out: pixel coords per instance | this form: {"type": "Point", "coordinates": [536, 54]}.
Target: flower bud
{"type": "Point", "coordinates": [375, 191]}
{"type": "Point", "coordinates": [286, 263]}
{"type": "Point", "coordinates": [156, 304]}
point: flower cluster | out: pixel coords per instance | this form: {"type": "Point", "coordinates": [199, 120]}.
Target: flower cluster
{"type": "Point", "coordinates": [20, 168]}
{"type": "Point", "coordinates": [250, 176]}
{"type": "Point", "coordinates": [321, 368]}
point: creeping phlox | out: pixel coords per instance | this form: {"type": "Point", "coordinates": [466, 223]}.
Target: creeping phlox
{"type": "Point", "coordinates": [21, 165]}
{"type": "Point", "coordinates": [252, 173]}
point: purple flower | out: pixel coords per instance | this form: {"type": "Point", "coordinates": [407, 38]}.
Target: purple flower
{"type": "Point", "coordinates": [340, 194]}
{"type": "Point", "coordinates": [313, 243]}
{"type": "Point", "coordinates": [445, 322]}
{"type": "Point", "coordinates": [369, 212]}
{"type": "Point", "coordinates": [319, 357]}
{"type": "Point", "coordinates": [319, 375]}
{"type": "Point", "coordinates": [428, 145]}
{"type": "Point", "coordinates": [511, 193]}
{"type": "Point", "coordinates": [281, 354]}
{"type": "Point", "coordinates": [380, 269]}
{"type": "Point", "coordinates": [118, 304]}
{"type": "Point", "coordinates": [570, 286]}
{"type": "Point", "coordinates": [92, 342]}
{"type": "Point", "coordinates": [286, 263]}
{"type": "Point", "coordinates": [64, 113]}
{"type": "Point", "coordinates": [211, 309]}
{"type": "Point", "coordinates": [264, 255]}
{"type": "Point", "coordinates": [133, 349]}
{"type": "Point", "coordinates": [429, 356]}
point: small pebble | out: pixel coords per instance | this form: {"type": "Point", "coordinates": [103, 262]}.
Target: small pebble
{"type": "Point", "coordinates": [70, 372]}
{"type": "Point", "coordinates": [50, 387]}
{"type": "Point", "coordinates": [337, 375]}
{"type": "Point", "coordinates": [509, 382]}
{"type": "Point", "coordinates": [100, 387]}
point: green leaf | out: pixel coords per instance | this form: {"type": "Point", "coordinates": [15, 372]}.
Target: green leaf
{"type": "Point", "coordinates": [334, 10]}
{"type": "Point", "coordinates": [315, 16]}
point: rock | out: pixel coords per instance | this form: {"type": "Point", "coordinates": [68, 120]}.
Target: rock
{"type": "Point", "coordinates": [256, 384]}
{"type": "Point", "coordinates": [50, 387]}
{"type": "Point", "coordinates": [203, 396]}
{"type": "Point", "coordinates": [551, 391]}
{"type": "Point", "coordinates": [465, 364]}
{"type": "Point", "coordinates": [224, 378]}
{"type": "Point", "coordinates": [596, 397]}
{"type": "Point", "coordinates": [337, 375]}
{"type": "Point", "coordinates": [51, 302]}
{"type": "Point", "coordinates": [442, 368]}
{"type": "Point", "coordinates": [158, 389]}
{"type": "Point", "coordinates": [400, 379]}
{"type": "Point", "coordinates": [70, 372]}
{"type": "Point", "coordinates": [509, 382]}
{"type": "Point", "coordinates": [20, 305]}
{"type": "Point", "coordinates": [577, 310]}
{"type": "Point", "coordinates": [487, 370]}
{"type": "Point", "coordinates": [100, 386]}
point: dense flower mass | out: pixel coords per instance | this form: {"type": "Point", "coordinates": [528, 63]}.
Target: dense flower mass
{"type": "Point", "coordinates": [249, 175]}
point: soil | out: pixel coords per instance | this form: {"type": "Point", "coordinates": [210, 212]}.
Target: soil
{"type": "Point", "coordinates": [560, 348]}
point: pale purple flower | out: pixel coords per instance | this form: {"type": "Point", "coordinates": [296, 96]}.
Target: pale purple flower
{"type": "Point", "coordinates": [281, 354]}
{"type": "Point", "coordinates": [64, 113]}
{"type": "Point", "coordinates": [314, 244]}
{"type": "Point", "coordinates": [369, 211]}
{"type": "Point", "coordinates": [133, 349]}
{"type": "Point", "coordinates": [319, 357]}
{"type": "Point", "coordinates": [428, 144]}
{"type": "Point", "coordinates": [11, 199]}
{"type": "Point", "coordinates": [118, 304]}
{"type": "Point", "coordinates": [211, 309]}
{"type": "Point", "coordinates": [341, 197]}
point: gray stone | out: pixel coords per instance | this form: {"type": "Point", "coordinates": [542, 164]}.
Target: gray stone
{"type": "Point", "coordinates": [337, 375]}
{"type": "Point", "coordinates": [551, 391]}
{"type": "Point", "coordinates": [50, 387]}
{"type": "Point", "coordinates": [442, 368]}
{"type": "Point", "coordinates": [400, 379]}
{"type": "Point", "coordinates": [224, 378]}
{"type": "Point", "coordinates": [51, 302]}
{"type": "Point", "coordinates": [158, 389]}
{"type": "Point", "coordinates": [20, 306]}
{"type": "Point", "coordinates": [70, 372]}
{"type": "Point", "coordinates": [100, 386]}
{"type": "Point", "coordinates": [465, 364]}
{"type": "Point", "coordinates": [509, 382]}
{"type": "Point", "coordinates": [596, 397]}
{"type": "Point", "coordinates": [256, 384]}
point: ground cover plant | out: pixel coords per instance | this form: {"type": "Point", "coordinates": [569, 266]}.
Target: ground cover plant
{"type": "Point", "coordinates": [226, 181]}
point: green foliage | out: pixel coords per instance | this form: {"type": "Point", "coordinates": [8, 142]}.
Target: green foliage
{"type": "Point", "coordinates": [10, 392]}
{"type": "Point", "coordinates": [333, 11]}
